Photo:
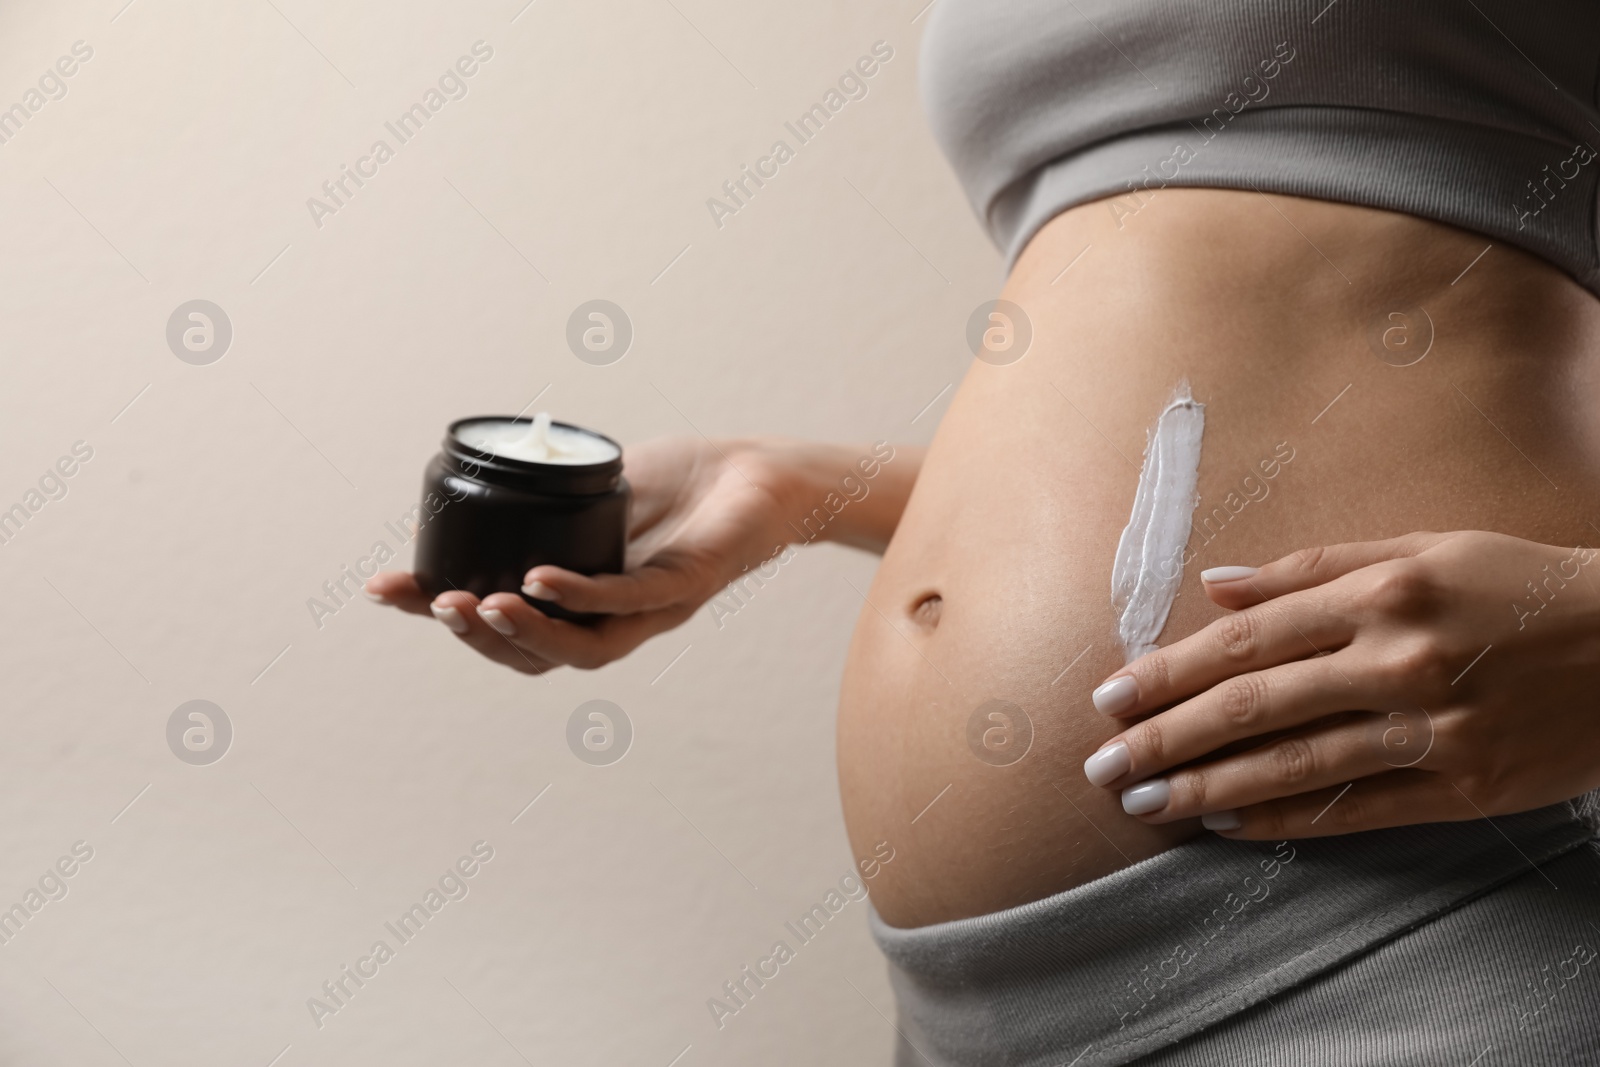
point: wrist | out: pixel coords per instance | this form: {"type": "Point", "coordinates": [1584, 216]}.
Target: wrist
{"type": "Point", "coordinates": [770, 464]}
{"type": "Point", "coordinates": [822, 490]}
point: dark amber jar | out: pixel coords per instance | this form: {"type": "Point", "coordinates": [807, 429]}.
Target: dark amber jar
{"type": "Point", "coordinates": [502, 516]}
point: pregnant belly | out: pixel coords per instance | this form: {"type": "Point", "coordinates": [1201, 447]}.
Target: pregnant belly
{"type": "Point", "coordinates": [964, 714]}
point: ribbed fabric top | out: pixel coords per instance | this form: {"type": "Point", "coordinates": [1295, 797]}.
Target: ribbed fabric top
{"type": "Point", "coordinates": [1477, 113]}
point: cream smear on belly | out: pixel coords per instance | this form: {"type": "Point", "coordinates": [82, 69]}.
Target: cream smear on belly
{"type": "Point", "coordinates": [1149, 565]}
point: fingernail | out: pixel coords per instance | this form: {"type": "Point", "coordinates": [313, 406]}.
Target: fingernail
{"type": "Point", "coordinates": [1227, 574]}
{"type": "Point", "coordinates": [1146, 797]}
{"type": "Point", "coordinates": [1220, 820]}
{"type": "Point", "coordinates": [1117, 695]}
{"type": "Point", "coordinates": [378, 597]}
{"type": "Point", "coordinates": [1107, 765]}
{"type": "Point", "coordinates": [498, 621]}
{"type": "Point", "coordinates": [540, 591]}
{"type": "Point", "coordinates": [451, 618]}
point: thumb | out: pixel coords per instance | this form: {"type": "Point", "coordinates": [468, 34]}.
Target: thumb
{"type": "Point", "coordinates": [665, 580]}
{"type": "Point", "coordinates": [1241, 587]}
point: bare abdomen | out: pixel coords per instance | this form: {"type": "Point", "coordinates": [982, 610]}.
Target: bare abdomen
{"type": "Point", "coordinates": [995, 592]}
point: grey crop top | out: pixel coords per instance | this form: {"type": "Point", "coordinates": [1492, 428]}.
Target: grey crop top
{"type": "Point", "coordinates": [1477, 113]}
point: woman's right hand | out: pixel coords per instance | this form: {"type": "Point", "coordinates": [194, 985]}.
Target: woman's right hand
{"type": "Point", "coordinates": [703, 512]}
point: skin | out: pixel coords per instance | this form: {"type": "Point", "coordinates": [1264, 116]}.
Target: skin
{"type": "Point", "coordinates": [1400, 678]}
{"type": "Point", "coordinates": [1265, 307]}
{"type": "Point", "coordinates": [990, 620]}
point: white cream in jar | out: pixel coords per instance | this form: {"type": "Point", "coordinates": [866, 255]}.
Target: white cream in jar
{"type": "Point", "coordinates": [539, 441]}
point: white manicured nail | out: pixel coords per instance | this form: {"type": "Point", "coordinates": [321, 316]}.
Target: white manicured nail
{"type": "Point", "coordinates": [1221, 820]}
{"type": "Point", "coordinates": [451, 618]}
{"type": "Point", "coordinates": [1107, 765]}
{"type": "Point", "coordinates": [1117, 695]}
{"type": "Point", "coordinates": [1146, 797]}
{"type": "Point", "coordinates": [375, 597]}
{"type": "Point", "coordinates": [498, 621]}
{"type": "Point", "coordinates": [1228, 574]}
{"type": "Point", "coordinates": [540, 591]}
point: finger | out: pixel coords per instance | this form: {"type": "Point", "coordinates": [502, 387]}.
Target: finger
{"type": "Point", "coordinates": [582, 645]}
{"type": "Point", "coordinates": [1291, 628]}
{"type": "Point", "coordinates": [666, 579]}
{"type": "Point", "coordinates": [457, 610]}
{"type": "Point", "coordinates": [1301, 762]}
{"type": "Point", "coordinates": [1395, 798]}
{"type": "Point", "coordinates": [397, 589]}
{"type": "Point", "coordinates": [1239, 709]}
{"type": "Point", "coordinates": [1239, 587]}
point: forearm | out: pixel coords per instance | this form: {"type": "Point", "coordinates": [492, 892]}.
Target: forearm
{"type": "Point", "coordinates": [849, 494]}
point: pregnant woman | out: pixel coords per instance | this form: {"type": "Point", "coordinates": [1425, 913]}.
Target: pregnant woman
{"type": "Point", "coordinates": [1289, 282]}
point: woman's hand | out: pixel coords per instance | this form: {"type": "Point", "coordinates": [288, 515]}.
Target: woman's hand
{"type": "Point", "coordinates": [702, 513]}
{"type": "Point", "coordinates": [1430, 678]}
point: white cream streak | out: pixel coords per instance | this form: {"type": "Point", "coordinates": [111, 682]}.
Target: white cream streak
{"type": "Point", "coordinates": [1149, 563]}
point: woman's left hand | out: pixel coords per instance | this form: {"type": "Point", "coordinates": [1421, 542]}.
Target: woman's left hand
{"type": "Point", "coordinates": [1429, 678]}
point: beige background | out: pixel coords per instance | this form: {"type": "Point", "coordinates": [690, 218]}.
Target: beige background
{"type": "Point", "coordinates": [371, 753]}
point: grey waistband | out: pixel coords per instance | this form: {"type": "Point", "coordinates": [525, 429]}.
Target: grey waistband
{"type": "Point", "coordinates": [1163, 950]}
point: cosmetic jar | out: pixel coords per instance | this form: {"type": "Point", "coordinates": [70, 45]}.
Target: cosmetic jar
{"type": "Point", "coordinates": [516, 493]}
